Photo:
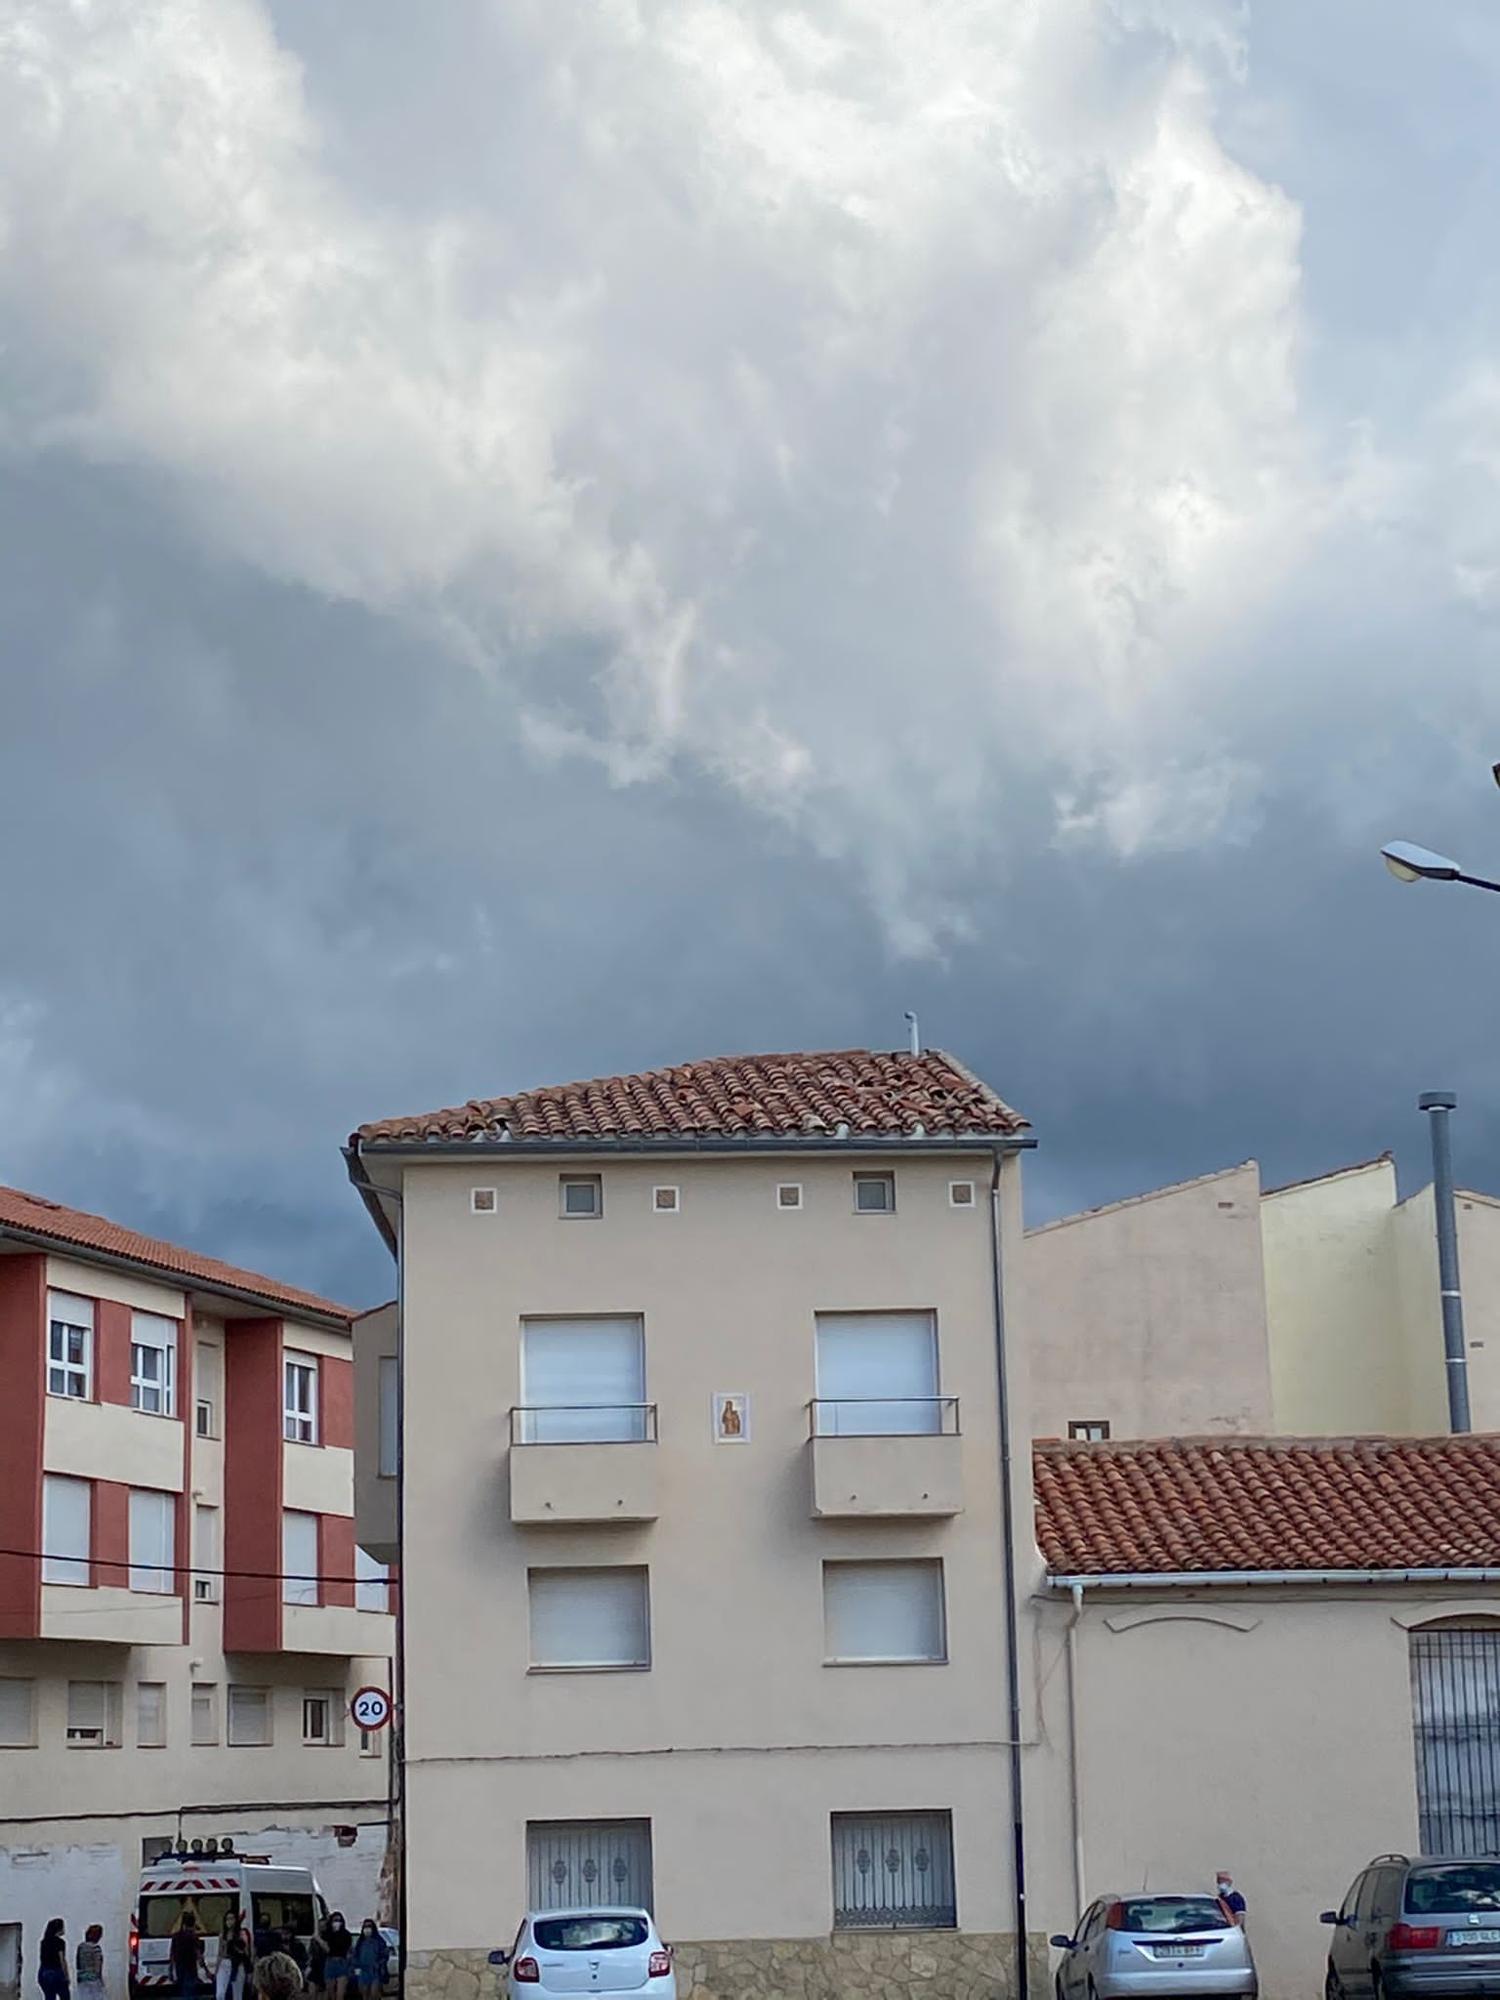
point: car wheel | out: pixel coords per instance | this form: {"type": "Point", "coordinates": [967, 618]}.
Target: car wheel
{"type": "Point", "coordinates": [1332, 1986]}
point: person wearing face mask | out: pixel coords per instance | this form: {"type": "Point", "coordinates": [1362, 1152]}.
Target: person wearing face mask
{"type": "Point", "coordinates": [372, 1960]}
{"type": "Point", "coordinates": [1230, 1899]}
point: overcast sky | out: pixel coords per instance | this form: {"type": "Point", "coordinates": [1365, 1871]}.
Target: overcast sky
{"type": "Point", "coordinates": [543, 537]}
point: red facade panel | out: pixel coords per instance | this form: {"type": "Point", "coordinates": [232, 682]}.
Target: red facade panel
{"type": "Point", "coordinates": [111, 1351]}
{"type": "Point", "coordinates": [336, 1559]}
{"type": "Point", "coordinates": [23, 1381]}
{"type": "Point", "coordinates": [337, 1385]}
{"type": "Point", "coordinates": [253, 1486]}
{"type": "Point", "coordinates": [110, 1567]}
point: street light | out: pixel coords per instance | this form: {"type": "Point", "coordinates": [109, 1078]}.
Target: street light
{"type": "Point", "coordinates": [1410, 863]}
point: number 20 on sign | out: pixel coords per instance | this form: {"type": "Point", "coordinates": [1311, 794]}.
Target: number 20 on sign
{"type": "Point", "coordinates": [371, 1708]}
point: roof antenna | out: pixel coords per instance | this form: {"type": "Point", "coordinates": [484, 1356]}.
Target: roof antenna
{"type": "Point", "coordinates": [916, 1033]}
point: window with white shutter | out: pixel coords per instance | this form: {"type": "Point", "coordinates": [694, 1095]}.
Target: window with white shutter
{"type": "Point", "coordinates": [877, 1374]}
{"type": "Point", "coordinates": [589, 1617]}
{"type": "Point", "coordinates": [94, 1709]}
{"type": "Point", "coordinates": [151, 1715]}
{"type": "Point", "coordinates": [67, 1519]}
{"type": "Point", "coordinates": [299, 1558]}
{"type": "Point", "coordinates": [300, 1397]}
{"type": "Point", "coordinates": [205, 1554]}
{"type": "Point", "coordinates": [582, 1381]}
{"type": "Point", "coordinates": [208, 1387]}
{"type": "Point", "coordinates": [371, 1590]}
{"type": "Point", "coordinates": [883, 1611]}
{"type": "Point", "coordinates": [70, 1345]}
{"type": "Point", "coordinates": [249, 1717]}
{"type": "Point", "coordinates": [17, 1714]}
{"type": "Point", "coordinates": [153, 1364]}
{"type": "Point", "coordinates": [205, 1712]}
{"type": "Point", "coordinates": [152, 1541]}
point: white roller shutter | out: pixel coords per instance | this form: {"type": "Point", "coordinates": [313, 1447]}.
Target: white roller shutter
{"type": "Point", "coordinates": [589, 1618]}
{"type": "Point", "coordinates": [583, 1380]}
{"type": "Point", "coordinates": [883, 1610]}
{"type": "Point", "coordinates": [877, 1373]}
{"type": "Point", "coordinates": [67, 1512]}
{"type": "Point", "coordinates": [152, 1541]}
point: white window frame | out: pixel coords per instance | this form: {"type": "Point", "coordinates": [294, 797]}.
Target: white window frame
{"type": "Point", "coordinates": [842, 1577]}
{"type": "Point", "coordinates": [370, 1744]}
{"type": "Point", "coordinates": [157, 1739]}
{"type": "Point", "coordinates": [372, 1582]}
{"type": "Point", "coordinates": [574, 1418]}
{"type": "Point", "coordinates": [88, 1734]}
{"type": "Point", "coordinates": [153, 1388]}
{"type": "Point", "coordinates": [67, 1313]}
{"type": "Point", "coordinates": [484, 1201]}
{"type": "Point", "coordinates": [267, 1707]}
{"type": "Point", "coordinates": [66, 1564]}
{"type": "Point", "coordinates": [299, 1415]}
{"type": "Point", "coordinates": [204, 1714]}
{"type": "Point", "coordinates": [331, 1702]}
{"type": "Point", "coordinates": [23, 1736]}
{"type": "Point", "coordinates": [672, 1205]}
{"type": "Point", "coordinates": [390, 1416]}
{"type": "Point", "coordinates": [208, 1386]}
{"type": "Point", "coordinates": [205, 1553]}
{"type": "Point", "coordinates": [885, 1416]}
{"type": "Point", "coordinates": [153, 1541]}
{"type": "Point", "coordinates": [961, 1194]}
{"type": "Point", "coordinates": [870, 1177]}
{"type": "Point", "coordinates": [594, 1182]}
{"type": "Point", "coordinates": [788, 1207]}
{"type": "Point", "coordinates": [1088, 1430]}
{"type": "Point", "coordinates": [300, 1583]}
{"type": "Point", "coordinates": [612, 1580]}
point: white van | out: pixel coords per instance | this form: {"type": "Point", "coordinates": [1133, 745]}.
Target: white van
{"type": "Point", "coordinates": [213, 1881]}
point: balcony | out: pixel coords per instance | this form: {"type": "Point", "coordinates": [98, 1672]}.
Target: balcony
{"type": "Point", "coordinates": [110, 1616]}
{"type": "Point", "coordinates": [897, 1459]}
{"type": "Point", "coordinates": [587, 1463]}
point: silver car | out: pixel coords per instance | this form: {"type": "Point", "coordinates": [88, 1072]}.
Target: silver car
{"type": "Point", "coordinates": [1153, 1945]}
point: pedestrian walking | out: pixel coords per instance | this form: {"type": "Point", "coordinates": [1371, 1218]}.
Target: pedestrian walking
{"type": "Point", "coordinates": [188, 1967]}
{"type": "Point", "coordinates": [89, 1964]}
{"type": "Point", "coordinates": [52, 1963]}
{"type": "Point", "coordinates": [340, 1948]}
{"type": "Point", "coordinates": [372, 1960]}
{"type": "Point", "coordinates": [236, 1959]}
{"type": "Point", "coordinates": [1230, 1899]}
{"type": "Point", "coordinates": [317, 1957]}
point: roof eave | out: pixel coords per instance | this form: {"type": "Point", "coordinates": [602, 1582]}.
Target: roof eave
{"type": "Point", "coordinates": [1242, 1579]}
{"type": "Point", "coordinates": [686, 1145]}
{"type": "Point", "coordinates": [183, 1281]}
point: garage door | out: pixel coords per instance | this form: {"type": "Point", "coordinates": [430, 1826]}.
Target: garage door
{"type": "Point", "coordinates": [573, 1861]}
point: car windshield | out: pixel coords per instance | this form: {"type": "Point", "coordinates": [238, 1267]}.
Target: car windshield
{"type": "Point", "coordinates": [1465, 1885]}
{"type": "Point", "coordinates": [588, 1933]}
{"type": "Point", "coordinates": [1172, 1916]}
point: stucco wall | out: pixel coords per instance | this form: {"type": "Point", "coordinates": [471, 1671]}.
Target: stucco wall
{"type": "Point", "coordinates": [1268, 1734]}
{"type": "Point", "coordinates": [1151, 1313]}
{"type": "Point", "coordinates": [739, 1742]}
{"type": "Point", "coordinates": [1338, 1360]}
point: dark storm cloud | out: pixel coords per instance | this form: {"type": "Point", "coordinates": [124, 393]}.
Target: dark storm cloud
{"type": "Point", "coordinates": [588, 536]}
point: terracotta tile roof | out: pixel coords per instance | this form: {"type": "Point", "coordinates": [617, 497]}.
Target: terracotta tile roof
{"type": "Point", "coordinates": [850, 1092]}
{"type": "Point", "coordinates": [76, 1230]}
{"type": "Point", "coordinates": [1204, 1504]}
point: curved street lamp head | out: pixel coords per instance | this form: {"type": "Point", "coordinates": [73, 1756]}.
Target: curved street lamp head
{"type": "Point", "coordinates": [1410, 863]}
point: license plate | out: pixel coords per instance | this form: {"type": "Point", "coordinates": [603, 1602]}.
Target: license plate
{"type": "Point", "coordinates": [1179, 1950]}
{"type": "Point", "coordinates": [1473, 1937]}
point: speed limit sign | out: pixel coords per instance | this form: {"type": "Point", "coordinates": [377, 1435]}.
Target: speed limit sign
{"type": "Point", "coordinates": [371, 1708]}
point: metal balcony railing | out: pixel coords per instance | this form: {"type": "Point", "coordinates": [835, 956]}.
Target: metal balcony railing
{"type": "Point", "coordinates": [583, 1423]}
{"type": "Point", "coordinates": [883, 1416]}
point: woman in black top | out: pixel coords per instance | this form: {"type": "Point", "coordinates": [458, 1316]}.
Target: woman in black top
{"type": "Point", "coordinates": [52, 1968]}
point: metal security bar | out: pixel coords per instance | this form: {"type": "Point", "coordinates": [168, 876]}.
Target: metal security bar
{"type": "Point", "coordinates": [893, 1871]}
{"type": "Point", "coordinates": [573, 1862]}
{"type": "Point", "coordinates": [583, 1423]}
{"type": "Point", "coordinates": [884, 1416]}
{"type": "Point", "coordinates": [1455, 1690]}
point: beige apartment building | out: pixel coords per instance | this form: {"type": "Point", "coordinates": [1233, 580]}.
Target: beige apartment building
{"type": "Point", "coordinates": [184, 1612]}
{"type": "Point", "coordinates": [1217, 1306]}
{"type": "Point", "coordinates": [701, 1454]}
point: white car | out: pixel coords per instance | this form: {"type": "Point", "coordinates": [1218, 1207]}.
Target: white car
{"type": "Point", "coordinates": [588, 1950]}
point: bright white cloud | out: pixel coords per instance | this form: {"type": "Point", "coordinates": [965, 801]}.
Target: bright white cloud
{"type": "Point", "coordinates": [879, 408]}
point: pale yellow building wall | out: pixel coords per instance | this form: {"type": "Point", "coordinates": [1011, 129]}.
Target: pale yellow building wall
{"type": "Point", "coordinates": [1151, 1313]}
{"type": "Point", "coordinates": [1287, 1721]}
{"type": "Point", "coordinates": [1334, 1309]}
{"type": "Point", "coordinates": [1479, 1276]}
{"type": "Point", "coordinates": [738, 1742]}
{"type": "Point", "coordinates": [1420, 1333]}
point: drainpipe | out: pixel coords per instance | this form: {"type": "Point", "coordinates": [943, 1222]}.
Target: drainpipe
{"type": "Point", "coordinates": [1012, 1646]}
{"type": "Point", "coordinates": [1438, 1104]}
{"type": "Point", "coordinates": [1075, 1771]}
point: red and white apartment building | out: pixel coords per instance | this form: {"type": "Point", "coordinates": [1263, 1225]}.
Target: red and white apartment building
{"type": "Point", "coordinates": [184, 1612]}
